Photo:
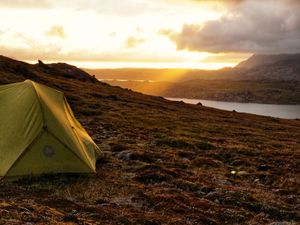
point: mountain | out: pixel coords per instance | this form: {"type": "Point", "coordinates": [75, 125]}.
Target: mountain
{"type": "Point", "coordinates": [284, 67]}
{"type": "Point", "coordinates": [165, 162]}
{"type": "Point", "coordinates": [258, 60]}
{"type": "Point", "coordinates": [273, 79]}
{"type": "Point", "coordinates": [257, 67]}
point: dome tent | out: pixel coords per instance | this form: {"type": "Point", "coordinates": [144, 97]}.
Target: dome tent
{"type": "Point", "coordinates": [39, 133]}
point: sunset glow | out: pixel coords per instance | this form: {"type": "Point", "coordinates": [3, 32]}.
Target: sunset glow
{"type": "Point", "coordinates": [134, 33]}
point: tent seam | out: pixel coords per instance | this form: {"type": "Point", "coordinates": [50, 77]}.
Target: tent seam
{"type": "Point", "coordinates": [39, 101]}
{"type": "Point", "coordinates": [76, 135]}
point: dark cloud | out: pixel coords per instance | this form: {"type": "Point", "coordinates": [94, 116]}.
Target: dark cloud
{"type": "Point", "coordinates": [227, 58]}
{"type": "Point", "coordinates": [268, 26]}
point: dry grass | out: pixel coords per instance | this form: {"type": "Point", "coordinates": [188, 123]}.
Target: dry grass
{"type": "Point", "coordinates": [165, 163]}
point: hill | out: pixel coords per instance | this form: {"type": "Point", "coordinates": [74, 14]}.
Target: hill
{"type": "Point", "coordinates": [271, 79]}
{"type": "Point", "coordinates": [257, 67]}
{"type": "Point", "coordinates": [165, 162]}
{"type": "Point", "coordinates": [258, 91]}
{"type": "Point", "coordinates": [258, 60]}
{"type": "Point", "coordinates": [284, 67]}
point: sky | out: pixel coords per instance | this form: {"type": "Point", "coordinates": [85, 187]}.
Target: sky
{"type": "Point", "coordinates": [206, 34]}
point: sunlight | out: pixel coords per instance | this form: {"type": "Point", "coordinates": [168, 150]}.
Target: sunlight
{"type": "Point", "coordinates": [118, 65]}
{"type": "Point", "coordinates": [86, 38]}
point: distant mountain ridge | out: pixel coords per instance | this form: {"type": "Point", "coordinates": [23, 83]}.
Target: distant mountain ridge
{"type": "Point", "coordinates": [273, 79]}
{"type": "Point", "coordinates": [258, 67]}
{"type": "Point", "coordinates": [270, 67]}
{"type": "Point", "coordinates": [276, 82]}
{"type": "Point", "coordinates": [261, 59]}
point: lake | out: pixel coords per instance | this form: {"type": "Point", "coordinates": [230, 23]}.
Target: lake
{"type": "Point", "coordinates": [280, 111]}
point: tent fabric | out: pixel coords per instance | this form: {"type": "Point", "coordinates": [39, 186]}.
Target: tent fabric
{"type": "Point", "coordinates": [39, 133]}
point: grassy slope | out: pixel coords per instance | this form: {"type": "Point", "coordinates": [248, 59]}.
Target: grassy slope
{"type": "Point", "coordinates": [165, 163]}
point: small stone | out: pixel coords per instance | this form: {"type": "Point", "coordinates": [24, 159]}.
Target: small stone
{"type": "Point", "coordinates": [241, 173]}
{"type": "Point", "coordinates": [281, 223]}
{"type": "Point", "coordinates": [124, 155]}
{"type": "Point", "coordinates": [217, 201]}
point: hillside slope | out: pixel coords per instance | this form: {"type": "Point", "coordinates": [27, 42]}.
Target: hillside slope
{"type": "Point", "coordinates": [259, 59]}
{"type": "Point", "coordinates": [283, 67]}
{"type": "Point", "coordinates": [165, 162]}
{"type": "Point", "coordinates": [273, 79]}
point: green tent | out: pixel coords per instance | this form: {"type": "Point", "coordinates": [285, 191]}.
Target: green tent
{"type": "Point", "coordinates": [39, 133]}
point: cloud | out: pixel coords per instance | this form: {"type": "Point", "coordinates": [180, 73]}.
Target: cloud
{"type": "Point", "coordinates": [56, 53]}
{"type": "Point", "coordinates": [227, 58]}
{"type": "Point", "coordinates": [270, 26]}
{"type": "Point", "coordinates": [132, 42]}
{"type": "Point", "coordinates": [24, 4]}
{"type": "Point", "coordinates": [56, 31]}
{"type": "Point", "coordinates": [207, 1]}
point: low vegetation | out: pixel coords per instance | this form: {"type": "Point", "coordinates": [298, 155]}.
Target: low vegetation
{"type": "Point", "coordinates": [165, 163]}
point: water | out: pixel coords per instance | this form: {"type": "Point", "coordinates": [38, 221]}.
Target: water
{"type": "Point", "coordinates": [280, 111]}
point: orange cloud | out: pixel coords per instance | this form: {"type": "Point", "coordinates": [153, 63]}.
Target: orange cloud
{"type": "Point", "coordinates": [24, 4]}
{"type": "Point", "coordinates": [57, 31]}
{"type": "Point", "coordinates": [132, 42]}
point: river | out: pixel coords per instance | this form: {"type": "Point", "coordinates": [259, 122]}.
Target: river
{"type": "Point", "coordinates": [279, 111]}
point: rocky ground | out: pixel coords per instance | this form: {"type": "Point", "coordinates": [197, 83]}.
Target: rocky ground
{"type": "Point", "coordinates": [165, 162]}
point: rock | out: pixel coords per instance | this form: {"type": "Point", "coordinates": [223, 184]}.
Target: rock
{"type": "Point", "coordinates": [112, 97]}
{"type": "Point", "coordinates": [101, 201]}
{"type": "Point", "coordinates": [40, 62]}
{"type": "Point", "coordinates": [124, 155]}
{"type": "Point", "coordinates": [105, 147]}
{"type": "Point", "coordinates": [215, 194]}
{"type": "Point", "coordinates": [292, 199]}
{"type": "Point", "coordinates": [282, 223]}
{"type": "Point", "coordinates": [264, 167]}
{"type": "Point", "coordinates": [70, 218]}
{"type": "Point", "coordinates": [242, 173]}
{"type": "Point", "coordinates": [153, 178]}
